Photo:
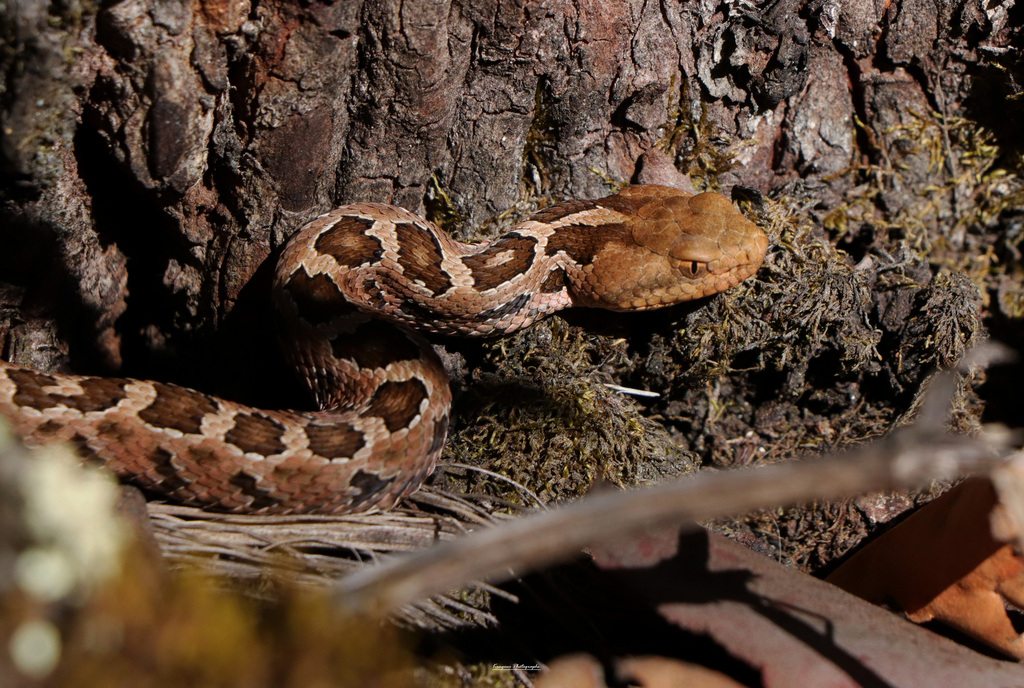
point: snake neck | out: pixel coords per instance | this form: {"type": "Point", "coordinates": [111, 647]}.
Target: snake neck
{"type": "Point", "coordinates": [491, 288]}
{"type": "Point", "coordinates": [404, 269]}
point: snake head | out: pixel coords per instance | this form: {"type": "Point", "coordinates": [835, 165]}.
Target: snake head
{"type": "Point", "coordinates": [672, 247]}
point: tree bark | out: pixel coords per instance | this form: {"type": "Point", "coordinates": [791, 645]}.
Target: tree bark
{"type": "Point", "coordinates": [164, 149]}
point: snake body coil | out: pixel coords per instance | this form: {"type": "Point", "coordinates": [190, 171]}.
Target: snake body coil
{"type": "Point", "coordinates": [343, 283]}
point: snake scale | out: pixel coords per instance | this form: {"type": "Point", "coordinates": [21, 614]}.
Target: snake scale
{"type": "Point", "coordinates": [351, 290]}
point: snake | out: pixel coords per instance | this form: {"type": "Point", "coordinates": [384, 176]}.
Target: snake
{"type": "Point", "coordinates": [354, 292]}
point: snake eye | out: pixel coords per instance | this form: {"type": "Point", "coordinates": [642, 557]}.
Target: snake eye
{"type": "Point", "coordinates": [693, 269]}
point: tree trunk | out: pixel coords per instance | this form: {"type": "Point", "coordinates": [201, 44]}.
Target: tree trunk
{"type": "Point", "coordinates": [164, 149]}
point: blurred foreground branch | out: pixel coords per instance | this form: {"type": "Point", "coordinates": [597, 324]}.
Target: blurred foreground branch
{"type": "Point", "coordinates": [906, 458]}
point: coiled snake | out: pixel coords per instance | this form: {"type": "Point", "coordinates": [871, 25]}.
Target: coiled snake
{"type": "Point", "coordinates": [343, 282]}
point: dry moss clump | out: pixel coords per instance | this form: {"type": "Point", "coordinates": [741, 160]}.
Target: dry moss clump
{"type": "Point", "coordinates": [826, 347]}
{"type": "Point", "coordinates": [878, 278]}
{"type": "Point", "coordinates": [539, 412]}
{"type": "Point", "coordinates": [942, 188]}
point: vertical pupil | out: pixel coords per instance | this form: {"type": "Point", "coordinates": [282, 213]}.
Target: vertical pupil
{"type": "Point", "coordinates": [693, 267]}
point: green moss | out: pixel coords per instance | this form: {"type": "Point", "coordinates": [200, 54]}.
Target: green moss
{"type": "Point", "coordinates": [700, 150]}
{"type": "Point", "coordinates": [441, 210]}
{"type": "Point", "coordinates": [538, 155]}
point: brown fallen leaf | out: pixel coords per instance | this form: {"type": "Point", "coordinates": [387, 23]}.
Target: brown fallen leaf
{"type": "Point", "coordinates": [575, 671]}
{"type": "Point", "coordinates": [584, 671]}
{"type": "Point", "coordinates": [664, 672]}
{"type": "Point", "coordinates": [785, 626]}
{"type": "Point", "coordinates": [944, 563]}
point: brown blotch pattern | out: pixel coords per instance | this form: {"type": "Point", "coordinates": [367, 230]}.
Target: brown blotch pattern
{"type": "Point", "coordinates": [419, 254]}
{"type": "Point", "coordinates": [504, 310]}
{"type": "Point", "coordinates": [81, 444]}
{"type": "Point", "coordinates": [397, 403]}
{"type": "Point", "coordinates": [285, 473]}
{"type": "Point", "coordinates": [179, 408]}
{"type": "Point", "coordinates": [29, 392]}
{"type": "Point", "coordinates": [249, 486]}
{"type": "Point", "coordinates": [375, 344]}
{"type": "Point", "coordinates": [201, 455]}
{"type": "Point", "coordinates": [370, 487]}
{"type": "Point", "coordinates": [373, 294]}
{"type": "Point", "coordinates": [335, 440]}
{"type": "Point", "coordinates": [555, 282]}
{"type": "Point", "coordinates": [557, 212]}
{"type": "Point", "coordinates": [256, 433]}
{"type": "Point", "coordinates": [349, 244]}
{"type": "Point", "coordinates": [98, 394]}
{"type": "Point", "coordinates": [170, 480]}
{"type": "Point", "coordinates": [519, 257]}
{"type": "Point", "coordinates": [420, 311]}
{"type": "Point", "coordinates": [317, 299]}
{"type": "Point", "coordinates": [582, 242]}
{"type": "Point", "coordinates": [50, 427]}
{"type": "Point", "coordinates": [114, 431]}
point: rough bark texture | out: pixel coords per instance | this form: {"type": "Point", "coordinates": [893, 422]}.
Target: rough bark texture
{"type": "Point", "coordinates": [154, 155]}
